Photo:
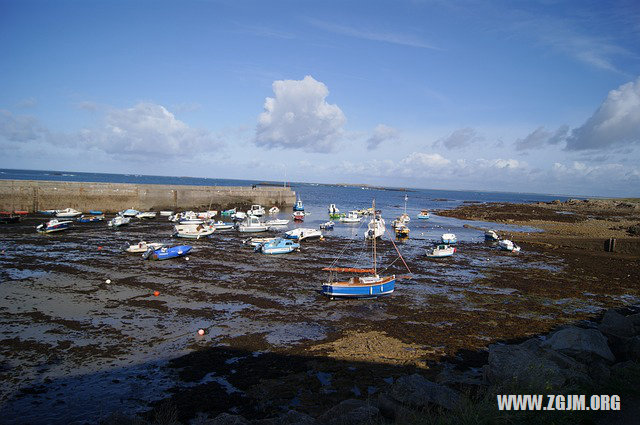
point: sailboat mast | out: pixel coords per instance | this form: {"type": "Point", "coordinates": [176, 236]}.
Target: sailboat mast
{"type": "Point", "coordinates": [375, 266]}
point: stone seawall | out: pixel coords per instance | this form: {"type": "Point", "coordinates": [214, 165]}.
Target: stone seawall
{"type": "Point", "coordinates": [34, 195]}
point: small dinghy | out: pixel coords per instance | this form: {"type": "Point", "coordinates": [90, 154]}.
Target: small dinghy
{"type": "Point", "coordinates": [68, 213]}
{"type": "Point", "coordinates": [193, 231]}
{"type": "Point", "coordinates": [130, 213]}
{"type": "Point", "coordinates": [507, 245]}
{"type": "Point", "coordinates": [256, 210]}
{"type": "Point", "coordinates": [334, 212]}
{"type": "Point", "coordinates": [166, 213]}
{"type": "Point", "coordinates": [221, 225]}
{"type": "Point", "coordinates": [274, 210]}
{"type": "Point", "coordinates": [143, 246]}
{"type": "Point", "coordinates": [278, 246]}
{"type": "Point", "coordinates": [491, 235]}
{"type": "Point", "coordinates": [256, 241]}
{"type": "Point", "coordinates": [449, 239]}
{"type": "Point", "coordinates": [299, 206]}
{"type": "Point", "coordinates": [252, 224]}
{"type": "Point", "coordinates": [441, 251]}
{"type": "Point", "coordinates": [351, 217]}
{"type": "Point", "coordinates": [167, 253]}
{"type": "Point", "coordinates": [118, 221]}
{"type": "Point", "coordinates": [146, 214]}
{"type": "Point", "coordinates": [302, 234]}
{"type": "Point", "coordinates": [53, 226]}
{"type": "Point", "coordinates": [275, 223]}
{"type": "Point", "coordinates": [89, 218]}
{"type": "Point", "coordinates": [207, 215]}
{"type": "Point", "coordinates": [95, 212]}
{"type": "Point", "coordinates": [298, 216]}
{"type": "Point", "coordinates": [402, 231]}
{"type": "Point", "coordinates": [376, 227]}
{"type": "Point", "coordinates": [228, 213]}
{"type": "Point", "coordinates": [239, 216]}
{"type": "Point", "coordinates": [327, 226]}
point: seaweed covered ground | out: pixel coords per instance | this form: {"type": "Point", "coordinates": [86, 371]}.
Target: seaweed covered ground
{"type": "Point", "coordinates": [87, 329]}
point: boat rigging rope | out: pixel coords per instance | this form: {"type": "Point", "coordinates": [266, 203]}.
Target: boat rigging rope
{"type": "Point", "coordinates": [400, 255]}
{"type": "Point", "coordinates": [347, 245]}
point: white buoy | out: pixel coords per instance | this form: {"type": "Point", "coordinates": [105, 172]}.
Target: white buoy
{"type": "Point", "coordinates": [107, 281]}
{"type": "Point", "coordinates": [186, 258]}
{"type": "Point", "coordinates": [201, 332]}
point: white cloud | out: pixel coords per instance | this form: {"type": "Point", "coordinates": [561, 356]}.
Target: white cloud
{"type": "Point", "coordinates": [381, 133]}
{"type": "Point", "coordinates": [615, 123]}
{"type": "Point", "coordinates": [298, 117]}
{"type": "Point", "coordinates": [19, 128]}
{"type": "Point", "coordinates": [459, 138]}
{"type": "Point", "coordinates": [541, 137]}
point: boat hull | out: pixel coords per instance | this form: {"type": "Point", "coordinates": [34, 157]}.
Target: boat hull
{"type": "Point", "coordinates": [173, 252]}
{"type": "Point", "coordinates": [359, 290]}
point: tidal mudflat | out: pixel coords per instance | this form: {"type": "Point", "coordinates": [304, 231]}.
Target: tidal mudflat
{"type": "Point", "coordinates": [75, 348]}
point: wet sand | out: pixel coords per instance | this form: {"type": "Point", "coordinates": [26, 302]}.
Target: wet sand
{"type": "Point", "coordinates": [272, 340]}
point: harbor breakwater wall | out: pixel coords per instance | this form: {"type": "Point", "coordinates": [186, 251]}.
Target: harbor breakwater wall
{"type": "Point", "coordinates": [35, 195]}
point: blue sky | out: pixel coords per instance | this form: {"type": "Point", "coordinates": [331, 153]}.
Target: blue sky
{"type": "Point", "coordinates": [537, 96]}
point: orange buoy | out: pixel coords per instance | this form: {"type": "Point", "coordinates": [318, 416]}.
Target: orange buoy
{"type": "Point", "coordinates": [156, 293]}
{"type": "Point", "coordinates": [99, 248]}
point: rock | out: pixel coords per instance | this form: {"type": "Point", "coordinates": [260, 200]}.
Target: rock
{"type": "Point", "coordinates": [532, 365]}
{"type": "Point", "coordinates": [621, 368]}
{"type": "Point", "coordinates": [228, 419]}
{"type": "Point", "coordinates": [349, 412]}
{"type": "Point", "coordinates": [633, 352]}
{"type": "Point", "coordinates": [583, 345]}
{"type": "Point", "coordinates": [635, 319]}
{"type": "Point", "coordinates": [393, 410]}
{"type": "Point", "coordinates": [614, 323]}
{"type": "Point", "coordinates": [417, 391]}
{"type": "Point", "coordinates": [450, 375]}
{"type": "Point", "coordinates": [291, 417]}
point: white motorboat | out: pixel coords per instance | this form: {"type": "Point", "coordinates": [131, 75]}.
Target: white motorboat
{"type": "Point", "coordinates": [143, 246]}
{"type": "Point", "coordinates": [274, 210]}
{"type": "Point", "coordinates": [254, 242]}
{"type": "Point", "coordinates": [491, 235]}
{"type": "Point", "coordinates": [207, 215]}
{"type": "Point", "coordinates": [507, 245]}
{"type": "Point", "coordinates": [118, 221]}
{"type": "Point", "coordinates": [449, 239]}
{"type": "Point", "coordinates": [221, 225]}
{"type": "Point", "coordinates": [440, 251]}
{"type": "Point", "coordinates": [129, 213]}
{"type": "Point", "coordinates": [256, 210]}
{"type": "Point", "coordinates": [375, 228]}
{"type": "Point", "coordinates": [351, 217]}
{"type": "Point", "coordinates": [193, 231]}
{"type": "Point", "coordinates": [147, 214]}
{"type": "Point", "coordinates": [53, 225]}
{"type": "Point", "coordinates": [327, 225]}
{"type": "Point", "coordinates": [238, 216]}
{"type": "Point", "coordinates": [166, 213]}
{"type": "Point", "coordinates": [301, 234]}
{"type": "Point", "coordinates": [68, 213]}
{"type": "Point", "coordinates": [276, 223]}
{"type": "Point", "coordinates": [252, 224]}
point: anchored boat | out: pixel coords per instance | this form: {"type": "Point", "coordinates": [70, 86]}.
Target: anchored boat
{"type": "Point", "coordinates": [424, 215]}
{"type": "Point", "coordinates": [301, 234]}
{"type": "Point", "coordinates": [90, 218]}
{"type": "Point", "coordinates": [507, 245]}
{"type": "Point", "coordinates": [491, 235]}
{"type": "Point", "coordinates": [167, 253]}
{"type": "Point", "coordinates": [193, 231]}
{"type": "Point", "coordinates": [118, 221]}
{"type": "Point", "coordinates": [53, 226]}
{"type": "Point", "coordinates": [440, 251]}
{"type": "Point", "coordinates": [68, 213]}
{"type": "Point", "coordinates": [277, 246]}
{"type": "Point", "coordinates": [143, 246]}
{"type": "Point", "coordinates": [252, 224]}
{"type": "Point", "coordinates": [298, 206]}
{"type": "Point", "coordinates": [449, 239]}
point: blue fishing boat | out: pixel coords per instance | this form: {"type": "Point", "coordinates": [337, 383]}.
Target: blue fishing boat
{"type": "Point", "coordinates": [228, 213]}
{"type": "Point", "coordinates": [449, 239]}
{"type": "Point", "coordinates": [53, 226]}
{"type": "Point", "coordinates": [89, 219]}
{"type": "Point", "coordinates": [298, 206]}
{"type": "Point", "coordinates": [277, 246]}
{"type": "Point", "coordinates": [424, 215]}
{"type": "Point", "coordinates": [95, 212]}
{"type": "Point", "coordinates": [167, 253]}
{"type": "Point", "coordinates": [360, 287]}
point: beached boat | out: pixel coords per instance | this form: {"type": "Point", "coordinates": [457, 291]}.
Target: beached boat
{"type": "Point", "coordinates": [95, 212]}
{"type": "Point", "coordinates": [334, 212]}
{"type": "Point", "coordinates": [193, 231]}
{"type": "Point", "coordinates": [166, 213]}
{"type": "Point", "coordinates": [143, 246]}
{"type": "Point", "coordinates": [48, 212]}
{"type": "Point", "coordinates": [221, 225]}
{"type": "Point", "coordinates": [118, 221]}
{"type": "Point", "coordinates": [278, 246]}
{"type": "Point", "coordinates": [274, 210]}
{"type": "Point", "coordinates": [359, 287]}
{"type": "Point", "coordinates": [252, 224]}
{"type": "Point", "coordinates": [298, 216]}
{"type": "Point", "coordinates": [228, 213]}
{"type": "Point", "coordinates": [302, 233]}
{"type": "Point", "coordinates": [256, 241]}
{"type": "Point", "coordinates": [327, 226]}
{"type": "Point", "coordinates": [207, 215]}
{"type": "Point", "coordinates": [449, 239]}
{"type": "Point", "coordinates": [53, 226]}
{"type": "Point", "coordinates": [440, 251]}
{"type": "Point", "coordinates": [130, 213]}
{"type": "Point", "coordinates": [375, 228]}
{"type": "Point", "coordinates": [238, 216]}
{"type": "Point", "coordinates": [147, 214]}
{"type": "Point", "coordinates": [402, 231]}
{"type": "Point", "coordinates": [404, 218]}
{"type": "Point", "coordinates": [299, 206]}
{"type": "Point", "coordinates": [68, 213]}
{"type": "Point", "coordinates": [424, 214]}
{"type": "Point", "coordinates": [507, 245]}
{"type": "Point", "coordinates": [89, 218]}
{"type": "Point", "coordinates": [491, 235]}
{"type": "Point", "coordinates": [257, 210]}
{"type": "Point", "coordinates": [276, 223]}
{"type": "Point", "coordinates": [165, 253]}
{"type": "Point", "coordinates": [7, 217]}
{"type": "Point", "coordinates": [351, 217]}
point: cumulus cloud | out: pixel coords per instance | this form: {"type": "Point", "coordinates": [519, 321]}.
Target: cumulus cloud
{"type": "Point", "coordinates": [299, 117]}
{"type": "Point", "coordinates": [381, 133]}
{"type": "Point", "coordinates": [615, 123]}
{"type": "Point", "coordinates": [19, 128]}
{"type": "Point", "coordinates": [460, 138]}
{"type": "Point", "coordinates": [541, 137]}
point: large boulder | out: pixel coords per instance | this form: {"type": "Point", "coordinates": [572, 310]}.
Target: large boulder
{"type": "Point", "coordinates": [417, 391]}
{"type": "Point", "coordinates": [532, 365]}
{"type": "Point", "coordinates": [614, 323]}
{"type": "Point", "coordinates": [584, 345]}
{"type": "Point", "coordinates": [291, 417]}
{"type": "Point", "coordinates": [350, 412]}
{"type": "Point", "coordinates": [228, 419]}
